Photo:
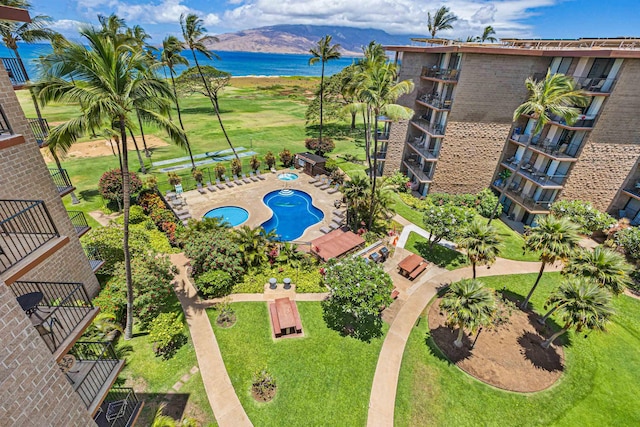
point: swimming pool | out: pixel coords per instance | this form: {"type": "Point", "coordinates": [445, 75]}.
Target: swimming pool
{"type": "Point", "coordinates": [293, 213]}
{"type": "Point", "coordinates": [234, 215]}
{"type": "Point", "coordinates": [287, 176]}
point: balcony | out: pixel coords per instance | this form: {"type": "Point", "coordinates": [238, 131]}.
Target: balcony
{"type": "Point", "coordinates": [94, 257]}
{"type": "Point", "coordinates": [417, 171]}
{"type": "Point", "coordinates": [40, 129]}
{"type": "Point", "coordinates": [435, 131]}
{"type": "Point", "coordinates": [527, 201]}
{"type": "Point", "coordinates": [5, 126]}
{"type": "Point", "coordinates": [381, 155]}
{"type": "Point", "coordinates": [434, 102]}
{"type": "Point", "coordinates": [538, 177]}
{"type": "Point", "coordinates": [120, 408]}
{"type": "Point", "coordinates": [16, 72]}
{"type": "Point", "coordinates": [419, 147]}
{"type": "Point", "coordinates": [79, 222]}
{"type": "Point", "coordinates": [62, 314]}
{"type": "Point", "coordinates": [548, 149]}
{"type": "Point", "coordinates": [447, 75]}
{"type": "Point", "coordinates": [383, 135]}
{"type": "Point", "coordinates": [62, 181]}
{"type": "Point", "coordinates": [25, 226]}
{"type": "Point", "coordinates": [94, 371]}
{"type": "Point", "coordinates": [591, 85]}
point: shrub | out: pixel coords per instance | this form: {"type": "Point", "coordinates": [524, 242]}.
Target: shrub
{"type": "Point", "coordinates": [214, 283]}
{"type": "Point", "coordinates": [286, 158]}
{"type": "Point", "coordinates": [485, 202]}
{"type": "Point", "coordinates": [136, 215]}
{"type": "Point", "coordinates": [414, 202]}
{"type": "Point", "coordinates": [590, 219]}
{"type": "Point", "coordinates": [306, 279]}
{"type": "Point", "coordinates": [263, 385]}
{"type": "Point", "coordinates": [254, 163]}
{"type": "Point", "coordinates": [197, 174]}
{"type": "Point", "coordinates": [166, 334]}
{"type": "Point", "coordinates": [108, 243]}
{"type": "Point", "coordinates": [331, 165]}
{"type": "Point", "coordinates": [214, 250]}
{"type": "Point", "coordinates": [270, 159]}
{"type": "Point", "coordinates": [629, 239]}
{"type": "Point", "coordinates": [236, 167]}
{"type": "Point", "coordinates": [110, 185]}
{"type": "Point", "coordinates": [150, 201]}
{"type": "Point", "coordinates": [173, 178]}
{"type": "Point", "coordinates": [220, 170]}
{"type": "Point", "coordinates": [399, 182]}
{"type": "Point", "coordinates": [151, 182]}
{"type": "Point", "coordinates": [320, 146]}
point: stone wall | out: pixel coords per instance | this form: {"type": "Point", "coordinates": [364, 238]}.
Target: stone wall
{"type": "Point", "coordinates": [395, 147]}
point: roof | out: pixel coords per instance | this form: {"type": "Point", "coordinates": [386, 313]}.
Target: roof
{"type": "Point", "coordinates": [312, 158]}
{"type": "Point", "coordinates": [336, 243]}
{"type": "Point", "coordinates": [14, 14]}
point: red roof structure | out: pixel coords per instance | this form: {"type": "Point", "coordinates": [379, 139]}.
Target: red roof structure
{"type": "Point", "coordinates": [335, 244]}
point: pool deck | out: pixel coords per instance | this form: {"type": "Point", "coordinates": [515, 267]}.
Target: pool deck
{"type": "Point", "coordinates": [249, 197]}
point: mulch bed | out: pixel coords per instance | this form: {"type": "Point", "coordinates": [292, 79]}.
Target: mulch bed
{"type": "Point", "coordinates": [226, 322]}
{"type": "Point", "coordinates": [509, 357]}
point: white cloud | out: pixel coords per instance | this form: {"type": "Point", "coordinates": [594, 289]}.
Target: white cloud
{"type": "Point", "coordinates": [66, 25]}
{"type": "Point", "coordinates": [158, 12]}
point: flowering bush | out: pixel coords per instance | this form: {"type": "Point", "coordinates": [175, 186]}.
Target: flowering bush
{"type": "Point", "coordinates": [320, 146]}
{"type": "Point", "coordinates": [214, 250]}
{"type": "Point", "coordinates": [110, 185]}
{"type": "Point", "coordinates": [629, 239]}
{"type": "Point", "coordinates": [286, 158]}
{"type": "Point", "coordinates": [270, 159]}
{"type": "Point", "coordinates": [166, 334]}
{"type": "Point", "coordinates": [590, 219]}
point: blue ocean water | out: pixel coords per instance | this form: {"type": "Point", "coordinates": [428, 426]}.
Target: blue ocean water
{"type": "Point", "coordinates": [236, 63]}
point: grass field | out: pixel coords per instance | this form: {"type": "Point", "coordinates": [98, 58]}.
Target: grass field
{"type": "Point", "coordinates": [599, 385]}
{"type": "Point", "coordinates": [439, 255]}
{"type": "Point", "coordinates": [322, 379]}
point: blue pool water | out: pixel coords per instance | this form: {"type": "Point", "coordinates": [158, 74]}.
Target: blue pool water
{"type": "Point", "coordinates": [287, 176]}
{"type": "Point", "coordinates": [231, 214]}
{"type": "Point", "coordinates": [293, 213]}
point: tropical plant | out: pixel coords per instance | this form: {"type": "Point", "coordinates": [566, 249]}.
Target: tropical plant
{"type": "Point", "coordinates": [214, 250]}
{"type": "Point", "coordinates": [173, 178]}
{"type": "Point", "coordinates": [356, 192]}
{"type": "Point", "coordinates": [166, 334]}
{"type": "Point", "coordinates": [446, 221]}
{"type": "Point", "coordinates": [556, 95]}
{"type": "Point", "coordinates": [606, 267]}
{"type": "Point", "coordinates": [197, 174]}
{"type": "Point", "coordinates": [111, 186]}
{"type": "Point", "coordinates": [254, 162]}
{"type": "Point", "coordinates": [214, 283]}
{"type": "Point", "coordinates": [482, 243]}
{"type": "Point", "coordinates": [193, 31]}
{"type": "Point", "coordinates": [323, 52]}
{"type": "Point", "coordinates": [286, 157]}
{"type": "Point", "coordinates": [581, 304]}
{"type": "Point", "coordinates": [103, 327]}
{"type": "Point", "coordinates": [581, 212]}
{"type": "Point", "coordinates": [253, 244]}
{"type": "Point", "coordinates": [320, 146]}
{"type": "Point", "coordinates": [160, 420]}
{"type": "Point", "coordinates": [468, 305]}
{"type": "Point", "coordinates": [487, 35]}
{"type": "Point", "coordinates": [555, 239]}
{"type": "Point", "coordinates": [442, 19]}
{"type": "Point", "coordinates": [236, 167]}
{"type": "Point", "coordinates": [220, 170]}
{"type": "Point", "coordinates": [270, 159]}
{"type": "Point", "coordinates": [205, 225]}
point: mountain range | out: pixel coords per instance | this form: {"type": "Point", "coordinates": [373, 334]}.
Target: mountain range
{"type": "Point", "coordinates": [300, 38]}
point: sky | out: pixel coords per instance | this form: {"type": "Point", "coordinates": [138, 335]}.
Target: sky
{"type": "Point", "coordinates": [509, 18]}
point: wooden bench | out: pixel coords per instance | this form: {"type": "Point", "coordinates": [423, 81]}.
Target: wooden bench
{"type": "Point", "coordinates": [415, 273]}
{"type": "Point", "coordinates": [394, 294]}
{"type": "Point", "coordinates": [294, 308]}
{"type": "Point", "coordinates": [274, 320]}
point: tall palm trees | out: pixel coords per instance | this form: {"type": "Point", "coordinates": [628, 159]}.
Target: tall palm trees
{"type": "Point", "coordinates": [170, 57]}
{"type": "Point", "coordinates": [323, 52]}
{"type": "Point", "coordinates": [469, 305]}
{"type": "Point", "coordinates": [443, 19]}
{"type": "Point", "coordinates": [555, 95]}
{"type": "Point", "coordinates": [482, 243]}
{"type": "Point", "coordinates": [555, 239]}
{"type": "Point", "coordinates": [193, 31]}
{"type": "Point", "coordinates": [112, 82]}
{"type": "Point", "coordinates": [606, 267]}
{"type": "Point", "coordinates": [487, 35]}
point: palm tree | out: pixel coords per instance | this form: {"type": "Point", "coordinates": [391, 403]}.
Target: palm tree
{"type": "Point", "coordinates": [252, 242]}
{"type": "Point", "coordinates": [441, 20]}
{"type": "Point", "coordinates": [324, 52]}
{"type": "Point", "coordinates": [171, 48]}
{"type": "Point", "coordinates": [487, 35]}
{"type": "Point", "coordinates": [112, 82]}
{"type": "Point", "coordinates": [193, 31]}
{"type": "Point", "coordinates": [555, 238]}
{"type": "Point", "coordinates": [608, 268]}
{"type": "Point", "coordinates": [469, 305]}
{"type": "Point", "coordinates": [482, 243]}
{"type": "Point", "coordinates": [581, 303]}
{"type": "Point", "coordinates": [555, 95]}
{"type": "Point", "coordinates": [356, 192]}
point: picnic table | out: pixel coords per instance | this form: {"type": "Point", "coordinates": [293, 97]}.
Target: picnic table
{"type": "Point", "coordinates": [412, 266]}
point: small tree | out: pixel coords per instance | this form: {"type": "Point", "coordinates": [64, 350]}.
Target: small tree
{"type": "Point", "coordinates": [214, 250]}
{"type": "Point", "coordinates": [606, 267]}
{"type": "Point", "coordinates": [482, 242]}
{"type": "Point", "coordinates": [110, 185]}
{"type": "Point", "coordinates": [214, 283]}
{"type": "Point", "coordinates": [270, 159]}
{"type": "Point", "coordinates": [220, 170]}
{"type": "Point", "coordinates": [236, 167]}
{"type": "Point", "coordinates": [166, 334]}
{"type": "Point", "coordinates": [174, 179]}
{"type": "Point", "coordinates": [320, 146]}
{"type": "Point", "coordinates": [446, 222]}
{"type": "Point", "coordinates": [286, 158]}
{"type": "Point", "coordinates": [590, 219]}
{"type": "Point", "coordinates": [198, 175]}
{"type": "Point", "coordinates": [254, 162]}
{"type": "Point", "coordinates": [191, 81]}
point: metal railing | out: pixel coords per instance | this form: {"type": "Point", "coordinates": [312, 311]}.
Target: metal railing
{"type": "Point", "coordinates": [25, 226]}
{"type": "Point", "coordinates": [588, 84]}
{"type": "Point", "coordinates": [40, 129]}
{"type": "Point", "coordinates": [584, 123]}
{"type": "Point", "coordinates": [436, 102]}
{"type": "Point", "coordinates": [441, 73]}
{"type": "Point", "coordinates": [123, 397]}
{"type": "Point", "coordinates": [417, 171]}
{"type": "Point", "coordinates": [64, 306]}
{"type": "Point", "coordinates": [79, 222]}
{"type": "Point", "coordinates": [61, 180]}
{"type": "Point", "coordinates": [94, 257]}
{"type": "Point", "coordinates": [436, 130]}
{"type": "Point", "coordinates": [419, 147]}
{"type": "Point", "coordinates": [528, 201]}
{"type": "Point", "coordinates": [95, 363]}
{"type": "Point", "coordinates": [5, 126]}
{"type": "Point", "coordinates": [15, 70]}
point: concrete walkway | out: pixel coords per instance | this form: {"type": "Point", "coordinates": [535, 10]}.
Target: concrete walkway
{"type": "Point", "coordinates": [222, 397]}
{"type": "Point", "coordinates": [404, 236]}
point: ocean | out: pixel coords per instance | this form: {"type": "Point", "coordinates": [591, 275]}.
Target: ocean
{"type": "Point", "coordinates": [237, 63]}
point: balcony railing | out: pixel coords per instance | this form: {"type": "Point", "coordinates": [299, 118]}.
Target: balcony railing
{"type": "Point", "coordinates": [120, 408]}
{"type": "Point", "coordinates": [25, 226]}
{"type": "Point", "coordinates": [581, 123]}
{"type": "Point", "coordinates": [448, 74]}
{"type": "Point", "coordinates": [417, 171]}
{"type": "Point", "coordinates": [381, 155]}
{"type": "Point", "coordinates": [435, 102]}
{"type": "Point", "coordinates": [5, 126]}
{"type": "Point", "coordinates": [40, 129]}
{"type": "Point", "coordinates": [435, 130]}
{"type": "Point", "coordinates": [63, 312]}
{"type": "Point", "coordinates": [588, 84]}
{"type": "Point", "coordinates": [79, 222]}
{"type": "Point", "coordinates": [96, 367]}
{"type": "Point", "coordinates": [532, 205]}
{"type": "Point", "coordinates": [382, 135]}
{"type": "Point", "coordinates": [419, 146]}
{"type": "Point", "coordinates": [15, 71]}
{"type": "Point", "coordinates": [61, 180]}
{"type": "Point", "coordinates": [94, 257]}
{"type": "Point", "coordinates": [556, 150]}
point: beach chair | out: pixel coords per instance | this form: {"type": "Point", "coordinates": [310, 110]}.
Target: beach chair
{"type": "Point", "coordinates": [334, 189]}
{"type": "Point", "coordinates": [337, 219]}
{"type": "Point", "coordinates": [326, 185]}
{"type": "Point", "coordinates": [334, 225]}
{"type": "Point", "coordinates": [259, 175]}
{"type": "Point", "coordinates": [339, 212]}
{"type": "Point", "coordinates": [325, 230]}
{"type": "Point", "coordinates": [229, 183]}
{"type": "Point", "coordinates": [210, 187]}
{"type": "Point", "coordinates": [200, 189]}
{"type": "Point", "coordinates": [253, 177]}
{"type": "Point", "coordinates": [314, 179]}
{"type": "Point", "coordinates": [320, 183]}
{"type": "Point", "coordinates": [236, 180]}
{"type": "Point", "coordinates": [245, 179]}
{"type": "Point", "coordinates": [220, 185]}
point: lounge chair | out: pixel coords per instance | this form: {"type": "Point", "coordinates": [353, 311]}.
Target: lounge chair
{"type": "Point", "coordinates": [273, 170]}
{"type": "Point", "coordinates": [210, 187]}
{"type": "Point", "coordinates": [338, 212]}
{"type": "Point", "coordinates": [259, 175]}
{"type": "Point", "coordinates": [200, 189]}
{"type": "Point", "coordinates": [253, 177]}
{"type": "Point", "coordinates": [314, 179]}
{"type": "Point", "coordinates": [325, 230]}
{"type": "Point", "coordinates": [220, 185]}
{"type": "Point", "coordinates": [245, 179]}
{"type": "Point", "coordinates": [236, 180]}
{"type": "Point", "coordinates": [325, 186]}
{"type": "Point", "coordinates": [322, 182]}
{"type": "Point", "coordinates": [334, 225]}
{"type": "Point", "coordinates": [337, 219]}
{"type": "Point", "coordinates": [229, 183]}
{"type": "Point", "coordinates": [335, 189]}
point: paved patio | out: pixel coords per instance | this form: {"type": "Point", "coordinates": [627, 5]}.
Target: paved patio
{"type": "Point", "coordinates": [249, 196]}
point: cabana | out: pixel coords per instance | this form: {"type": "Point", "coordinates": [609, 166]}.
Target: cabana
{"type": "Point", "coordinates": [335, 244]}
{"type": "Point", "coordinates": [312, 164]}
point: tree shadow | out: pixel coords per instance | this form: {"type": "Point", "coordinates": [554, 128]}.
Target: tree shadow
{"type": "Point", "coordinates": [544, 358]}
{"type": "Point", "coordinates": [335, 130]}
{"type": "Point", "coordinates": [88, 195]}
{"type": "Point", "coordinates": [175, 405]}
{"type": "Point", "coordinates": [363, 328]}
{"type": "Point", "coordinates": [439, 255]}
{"type": "Point", "coordinates": [548, 328]}
{"type": "Point", "coordinates": [442, 338]}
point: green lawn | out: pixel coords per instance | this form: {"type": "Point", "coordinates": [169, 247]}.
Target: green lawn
{"type": "Point", "coordinates": [439, 255]}
{"type": "Point", "coordinates": [323, 379]}
{"type": "Point", "coordinates": [599, 386]}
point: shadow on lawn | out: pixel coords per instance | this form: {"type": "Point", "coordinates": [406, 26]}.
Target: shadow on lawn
{"type": "Point", "coordinates": [89, 195]}
{"type": "Point", "coordinates": [440, 255]}
{"type": "Point", "coordinates": [363, 328]}
{"type": "Point", "coordinates": [543, 358]}
{"type": "Point", "coordinates": [175, 405]}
